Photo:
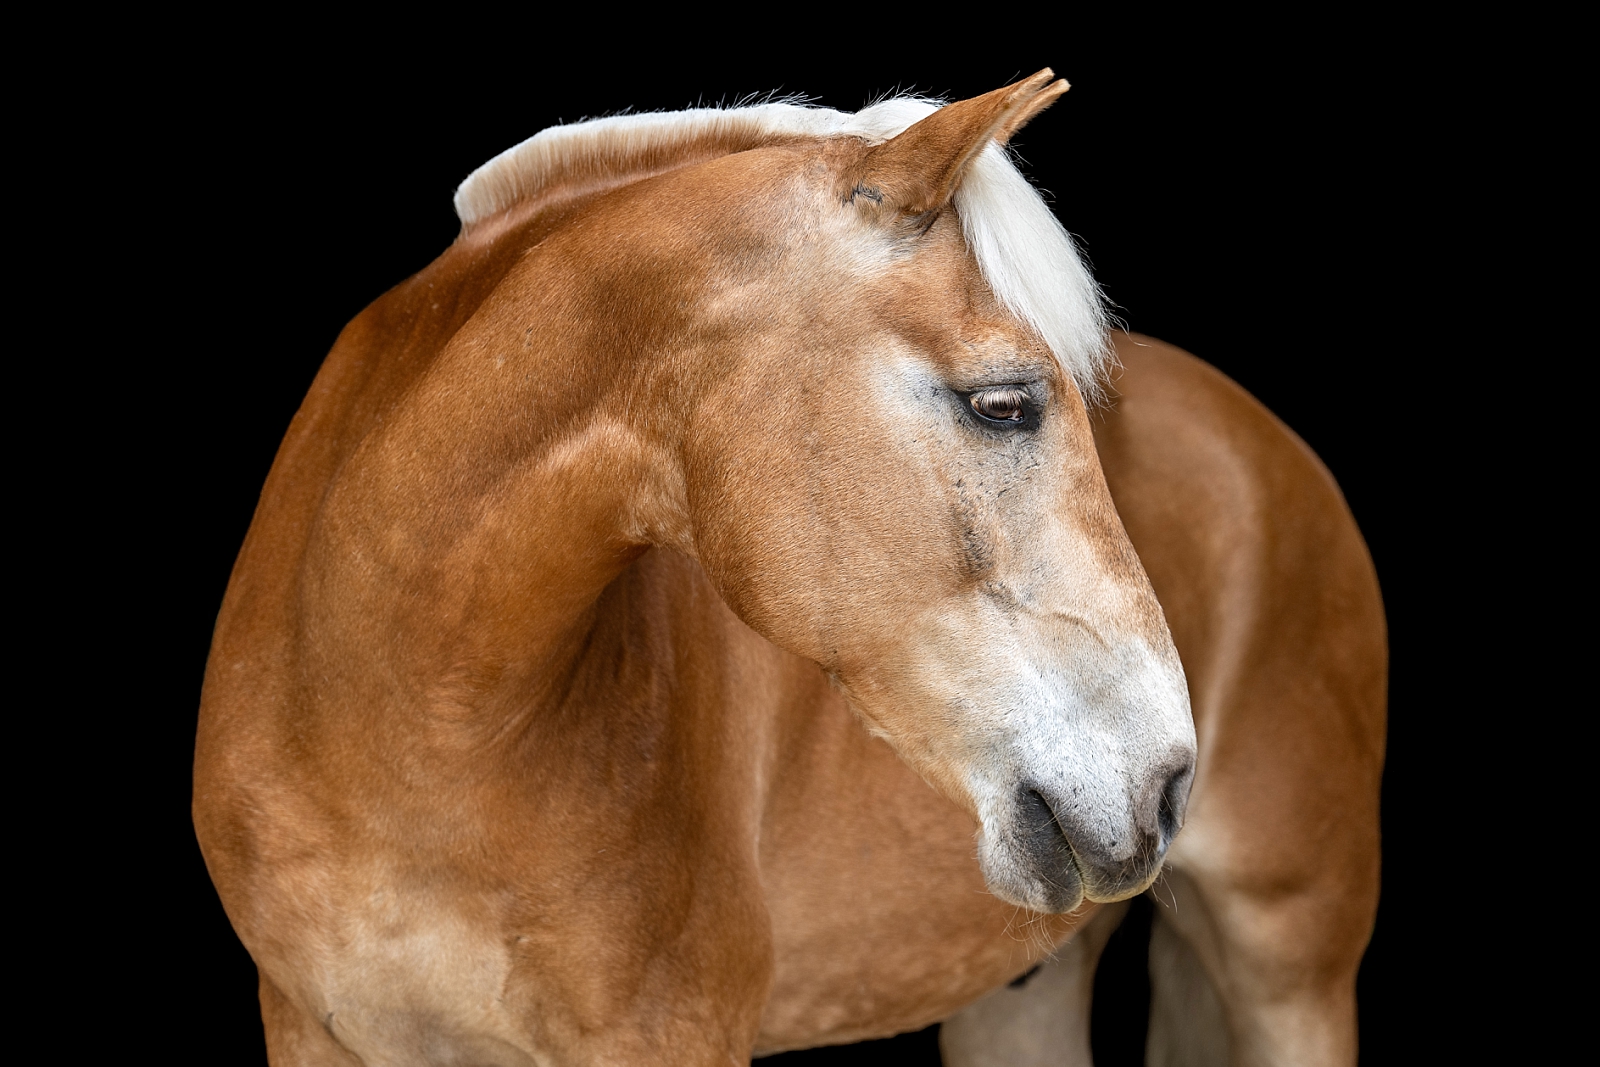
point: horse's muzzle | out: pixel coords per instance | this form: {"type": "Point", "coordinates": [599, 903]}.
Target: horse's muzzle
{"type": "Point", "coordinates": [1076, 857]}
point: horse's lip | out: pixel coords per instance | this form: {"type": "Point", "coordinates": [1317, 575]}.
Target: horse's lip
{"type": "Point", "coordinates": [1128, 880]}
{"type": "Point", "coordinates": [1100, 884]}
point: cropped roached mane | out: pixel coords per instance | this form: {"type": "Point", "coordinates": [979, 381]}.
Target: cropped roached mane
{"type": "Point", "coordinates": [1023, 252]}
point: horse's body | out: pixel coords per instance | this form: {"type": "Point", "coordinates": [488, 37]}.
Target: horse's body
{"type": "Point", "coordinates": [533, 727]}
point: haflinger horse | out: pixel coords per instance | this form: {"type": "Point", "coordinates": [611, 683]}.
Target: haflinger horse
{"type": "Point", "coordinates": [722, 606]}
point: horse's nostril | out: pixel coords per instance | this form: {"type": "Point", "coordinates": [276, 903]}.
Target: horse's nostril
{"type": "Point", "coordinates": [1041, 839]}
{"type": "Point", "coordinates": [1039, 824]}
{"type": "Point", "coordinates": [1174, 798]}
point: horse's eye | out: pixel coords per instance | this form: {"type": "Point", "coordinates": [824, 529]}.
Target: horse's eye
{"type": "Point", "coordinates": [1005, 403]}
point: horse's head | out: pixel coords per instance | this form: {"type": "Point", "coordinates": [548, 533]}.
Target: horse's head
{"type": "Point", "coordinates": [890, 470]}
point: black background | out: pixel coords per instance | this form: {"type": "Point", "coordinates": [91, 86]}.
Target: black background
{"type": "Point", "coordinates": [1265, 196]}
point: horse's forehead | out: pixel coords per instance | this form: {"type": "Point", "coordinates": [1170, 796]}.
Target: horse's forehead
{"type": "Point", "coordinates": [934, 282]}
{"type": "Point", "coordinates": [827, 262]}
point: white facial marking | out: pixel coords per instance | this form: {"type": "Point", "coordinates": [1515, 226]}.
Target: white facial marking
{"type": "Point", "coordinates": [1034, 678]}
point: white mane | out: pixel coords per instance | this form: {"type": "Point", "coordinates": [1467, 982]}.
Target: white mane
{"type": "Point", "coordinates": [1024, 253]}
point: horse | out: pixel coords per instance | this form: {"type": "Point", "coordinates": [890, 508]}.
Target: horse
{"type": "Point", "coordinates": [742, 597]}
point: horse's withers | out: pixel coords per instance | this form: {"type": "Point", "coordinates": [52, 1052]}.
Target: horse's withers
{"type": "Point", "coordinates": [964, 578]}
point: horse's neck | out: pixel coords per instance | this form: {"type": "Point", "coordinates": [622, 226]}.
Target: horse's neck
{"type": "Point", "coordinates": [496, 492]}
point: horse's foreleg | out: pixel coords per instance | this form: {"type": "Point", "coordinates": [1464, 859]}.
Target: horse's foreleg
{"type": "Point", "coordinates": [1042, 1021]}
{"type": "Point", "coordinates": [294, 1038]}
{"type": "Point", "coordinates": [1187, 1025]}
{"type": "Point", "coordinates": [1249, 979]}
{"type": "Point", "coordinates": [1273, 882]}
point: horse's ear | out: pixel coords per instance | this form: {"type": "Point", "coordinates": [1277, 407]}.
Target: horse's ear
{"type": "Point", "coordinates": [921, 169]}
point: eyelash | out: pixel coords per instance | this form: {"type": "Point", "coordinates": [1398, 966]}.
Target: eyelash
{"type": "Point", "coordinates": [1011, 398]}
